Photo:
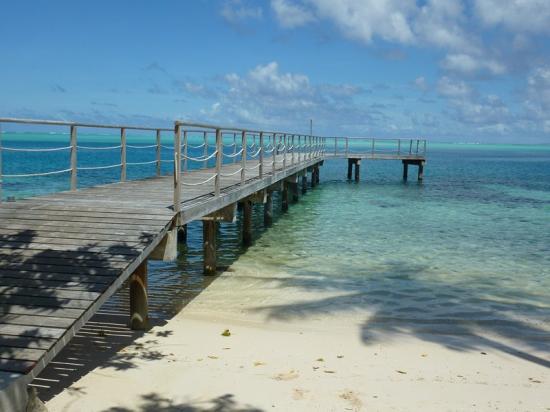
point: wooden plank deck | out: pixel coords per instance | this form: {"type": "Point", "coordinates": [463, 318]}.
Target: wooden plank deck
{"type": "Point", "coordinates": [63, 255]}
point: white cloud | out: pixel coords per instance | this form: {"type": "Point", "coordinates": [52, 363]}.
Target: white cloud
{"type": "Point", "coordinates": [420, 83]}
{"type": "Point", "coordinates": [467, 64]}
{"type": "Point", "coordinates": [236, 11]}
{"type": "Point", "coordinates": [363, 20]}
{"type": "Point", "coordinates": [537, 101]}
{"type": "Point", "coordinates": [452, 26]}
{"type": "Point", "coordinates": [265, 96]}
{"type": "Point", "coordinates": [291, 15]}
{"type": "Point", "coordinates": [453, 89]}
{"type": "Point", "coordinates": [521, 15]}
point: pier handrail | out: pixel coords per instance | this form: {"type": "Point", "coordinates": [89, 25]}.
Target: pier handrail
{"type": "Point", "coordinates": [375, 146]}
{"type": "Point", "coordinates": [274, 150]}
{"type": "Point", "coordinates": [74, 147]}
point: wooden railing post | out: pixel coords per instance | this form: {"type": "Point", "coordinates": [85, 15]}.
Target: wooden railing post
{"type": "Point", "coordinates": [411, 147]}
{"type": "Point", "coordinates": [158, 149]}
{"type": "Point", "coordinates": [219, 158]}
{"type": "Point", "coordinates": [424, 147]}
{"type": "Point", "coordinates": [205, 149]}
{"type": "Point", "coordinates": [274, 144]}
{"type": "Point", "coordinates": [234, 147]}
{"type": "Point", "coordinates": [123, 155]}
{"type": "Point", "coordinates": [284, 151]}
{"type": "Point", "coordinates": [417, 143]}
{"type": "Point", "coordinates": [373, 142]}
{"type": "Point", "coordinates": [347, 146]}
{"type": "Point", "coordinates": [293, 149]}
{"type": "Point", "coordinates": [185, 151]}
{"type": "Point", "coordinates": [74, 169]}
{"type": "Point", "coordinates": [1, 154]}
{"type": "Point", "coordinates": [398, 147]}
{"type": "Point", "coordinates": [177, 164]}
{"type": "Point", "coordinates": [261, 168]}
{"type": "Point", "coordinates": [243, 157]}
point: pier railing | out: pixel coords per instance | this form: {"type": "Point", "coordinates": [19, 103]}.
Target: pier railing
{"type": "Point", "coordinates": [255, 152]}
{"type": "Point", "coordinates": [192, 146]}
{"type": "Point", "coordinates": [375, 147]}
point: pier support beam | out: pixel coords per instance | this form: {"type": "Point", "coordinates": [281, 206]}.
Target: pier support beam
{"type": "Point", "coordinates": [354, 162]}
{"type": "Point", "coordinates": [304, 183]}
{"type": "Point", "coordinates": [247, 222]}
{"type": "Point", "coordinates": [139, 307]}
{"type": "Point", "coordinates": [416, 162]}
{"type": "Point", "coordinates": [293, 187]}
{"type": "Point", "coordinates": [317, 170]}
{"type": "Point", "coordinates": [209, 246]}
{"type": "Point", "coordinates": [182, 234]}
{"type": "Point", "coordinates": [167, 249]}
{"type": "Point", "coordinates": [268, 210]}
{"type": "Point", "coordinates": [284, 197]}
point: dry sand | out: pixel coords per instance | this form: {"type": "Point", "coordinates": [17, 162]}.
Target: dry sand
{"type": "Point", "coordinates": [296, 361]}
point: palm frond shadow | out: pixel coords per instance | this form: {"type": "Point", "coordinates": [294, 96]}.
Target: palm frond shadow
{"type": "Point", "coordinates": [453, 315]}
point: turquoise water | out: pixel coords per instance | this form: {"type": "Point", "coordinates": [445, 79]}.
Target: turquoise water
{"type": "Point", "coordinates": [467, 249]}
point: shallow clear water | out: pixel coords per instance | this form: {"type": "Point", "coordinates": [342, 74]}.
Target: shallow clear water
{"type": "Point", "coordinates": [468, 248]}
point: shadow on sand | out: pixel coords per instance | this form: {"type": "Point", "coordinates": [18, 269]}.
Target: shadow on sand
{"type": "Point", "coordinates": [399, 300]}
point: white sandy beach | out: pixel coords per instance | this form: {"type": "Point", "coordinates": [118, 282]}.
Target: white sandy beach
{"type": "Point", "coordinates": [280, 357]}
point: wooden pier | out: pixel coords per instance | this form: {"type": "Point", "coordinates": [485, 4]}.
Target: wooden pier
{"type": "Point", "coordinates": [63, 255]}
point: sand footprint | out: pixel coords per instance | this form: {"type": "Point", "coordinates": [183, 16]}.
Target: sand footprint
{"type": "Point", "coordinates": [286, 376]}
{"type": "Point", "coordinates": [353, 399]}
{"type": "Point", "coordinates": [298, 394]}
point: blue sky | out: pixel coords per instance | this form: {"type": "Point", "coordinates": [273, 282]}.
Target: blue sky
{"type": "Point", "coordinates": [475, 70]}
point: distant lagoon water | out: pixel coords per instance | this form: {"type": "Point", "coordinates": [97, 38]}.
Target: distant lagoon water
{"type": "Point", "coordinates": [468, 248]}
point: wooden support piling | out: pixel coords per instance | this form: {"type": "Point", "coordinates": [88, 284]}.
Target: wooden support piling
{"type": "Point", "coordinates": [357, 169]}
{"type": "Point", "coordinates": [350, 167]}
{"type": "Point", "coordinates": [139, 307]}
{"type": "Point", "coordinates": [317, 174]}
{"type": "Point", "coordinates": [293, 187]}
{"type": "Point", "coordinates": [268, 209]}
{"type": "Point", "coordinates": [405, 171]}
{"type": "Point", "coordinates": [284, 197]}
{"type": "Point", "coordinates": [420, 171]}
{"type": "Point", "coordinates": [304, 183]}
{"type": "Point", "coordinates": [209, 246]}
{"type": "Point", "coordinates": [182, 234]}
{"type": "Point", "coordinates": [247, 222]}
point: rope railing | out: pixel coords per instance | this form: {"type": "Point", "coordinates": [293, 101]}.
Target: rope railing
{"type": "Point", "coordinates": [201, 183]}
{"type": "Point", "coordinates": [55, 172]}
{"type": "Point", "coordinates": [232, 155]}
{"type": "Point", "coordinates": [141, 147]}
{"type": "Point", "coordinates": [26, 149]}
{"type": "Point", "coordinates": [269, 149]}
{"type": "Point", "coordinates": [99, 147]}
{"type": "Point", "coordinates": [195, 147]}
{"type": "Point", "coordinates": [141, 163]}
{"type": "Point", "coordinates": [200, 159]}
{"type": "Point", "coordinates": [231, 174]}
{"type": "Point", "coordinates": [98, 167]}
